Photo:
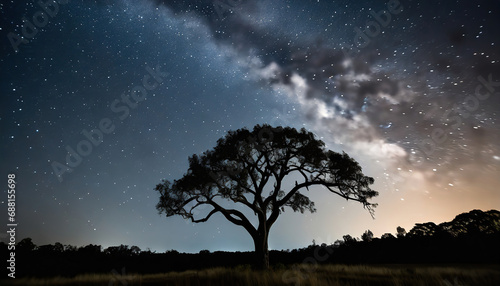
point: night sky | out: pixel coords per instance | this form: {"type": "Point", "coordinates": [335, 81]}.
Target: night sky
{"type": "Point", "coordinates": [410, 89]}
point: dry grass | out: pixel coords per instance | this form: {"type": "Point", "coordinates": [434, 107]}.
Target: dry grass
{"type": "Point", "coordinates": [304, 275]}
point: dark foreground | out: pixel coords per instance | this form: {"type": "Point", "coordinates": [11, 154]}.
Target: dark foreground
{"type": "Point", "coordinates": [300, 274]}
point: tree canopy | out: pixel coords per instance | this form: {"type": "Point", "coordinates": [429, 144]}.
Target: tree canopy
{"type": "Point", "coordinates": [248, 168]}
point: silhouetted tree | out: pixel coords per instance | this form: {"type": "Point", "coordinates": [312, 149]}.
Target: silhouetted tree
{"type": "Point", "coordinates": [338, 243]}
{"type": "Point", "coordinates": [349, 240]}
{"type": "Point", "coordinates": [204, 252]}
{"type": "Point", "coordinates": [387, 236]}
{"type": "Point", "coordinates": [474, 222]}
{"type": "Point", "coordinates": [70, 248]}
{"type": "Point", "coordinates": [401, 232]}
{"type": "Point", "coordinates": [135, 250]}
{"type": "Point", "coordinates": [58, 247]}
{"type": "Point", "coordinates": [26, 245]}
{"type": "Point", "coordinates": [248, 168]}
{"type": "Point", "coordinates": [47, 249]}
{"type": "Point", "coordinates": [122, 250]}
{"type": "Point", "coordinates": [172, 251]}
{"type": "Point", "coordinates": [423, 230]}
{"type": "Point", "coordinates": [367, 236]}
{"type": "Point", "coordinates": [90, 249]}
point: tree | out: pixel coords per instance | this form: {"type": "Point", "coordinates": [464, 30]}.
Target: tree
{"type": "Point", "coordinates": [427, 229]}
{"type": "Point", "coordinates": [122, 250]}
{"type": "Point", "coordinates": [387, 235]}
{"type": "Point", "coordinates": [401, 232]}
{"type": "Point", "coordinates": [58, 247]}
{"type": "Point", "coordinates": [70, 248]}
{"type": "Point", "coordinates": [349, 240]}
{"type": "Point", "coordinates": [90, 249]}
{"type": "Point", "coordinates": [338, 243]}
{"type": "Point", "coordinates": [26, 245]}
{"type": "Point", "coordinates": [475, 222]}
{"type": "Point", "coordinates": [367, 236]}
{"type": "Point", "coordinates": [135, 250]}
{"type": "Point", "coordinates": [248, 169]}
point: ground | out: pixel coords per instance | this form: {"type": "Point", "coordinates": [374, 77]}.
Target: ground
{"type": "Point", "coordinates": [302, 274]}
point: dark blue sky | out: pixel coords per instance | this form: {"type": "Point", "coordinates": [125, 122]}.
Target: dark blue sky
{"type": "Point", "coordinates": [407, 99]}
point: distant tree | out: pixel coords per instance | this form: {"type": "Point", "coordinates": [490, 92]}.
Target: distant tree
{"type": "Point", "coordinates": [248, 169]}
{"type": "Point", "coordinates": [48, 248]}
{"type": "Point", "coordinates": [90, 249]}
{"type": "Point", "coordinates": [121, 250]}
{"type": "Point", "coordinates": [348, 239]}
{"type": "Point", "coordinates": [58, 247]}
{"type": "Point", "coordinates": [367, 236]}
{"type": "Point", "coordinates": [401, 232]}
{"type": "Point", "coordinates": [387, 236]}
{"type": "Point", "coordinates": [427, 229]}
{"type": "Point", "coordinates": [26, 244]}
{"type": "Point", "coordinates": [70, 248]}
{"type": "Point", "coordinates": [338, 243]}
{"type": "Point", "coordinates": [135, 250]}
{"type": "Point", "coordinates": [204, 252]}
{"type": "Point", "coordinates": [111, 250]}
{"type": "Point", "coordinates": [172, 251]}
{"type": "Point", "coordinates": [475, 222]}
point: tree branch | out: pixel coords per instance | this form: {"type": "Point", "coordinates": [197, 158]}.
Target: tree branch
{"type": "Point", "coordinates": [205, 218]}
{"type": "Point", "coordinates": [242, 221]}
{"type": "Point", "coordinates": [300, 186]}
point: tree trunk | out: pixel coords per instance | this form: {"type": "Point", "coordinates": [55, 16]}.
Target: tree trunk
{"type": "Point", "coordinates": [261, 251]}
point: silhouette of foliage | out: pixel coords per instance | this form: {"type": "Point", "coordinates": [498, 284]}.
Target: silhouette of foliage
{"type": "Point", "coordinates": [123, 250]}
{"type": "Point", "coordinates": [367, 236]}
{"type": "Point", "coordinates": [473, 223]}
{"type": "Point", "coordinates": [25, 245]}
{"type": "Point", "coordinates": [400, 232]}
{"type": "Point", "coordinates": [248, 169]}
{"type": "Point", "coordinates": [423, 229]}
{"type": "Point", "coordinates": [387, 236]}
{"type": "Point", "coordinates": [90, 249]}
{"type": "Point", "coordinates": [349, 240]}
{"type": "Point", "coordinates": [477, 242]}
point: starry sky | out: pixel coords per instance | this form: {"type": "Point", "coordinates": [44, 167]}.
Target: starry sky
{"type": "Point", "coordinates": [410, 89]}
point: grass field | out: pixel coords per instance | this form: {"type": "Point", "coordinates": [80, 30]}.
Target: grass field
{"type": "Point", "coordinates": [386, 275]}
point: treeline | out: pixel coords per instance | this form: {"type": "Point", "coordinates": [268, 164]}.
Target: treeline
{"type": "Point", "coordinates": [469, 238]}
